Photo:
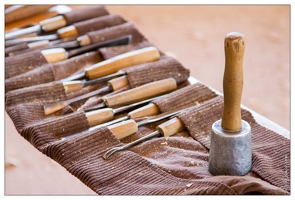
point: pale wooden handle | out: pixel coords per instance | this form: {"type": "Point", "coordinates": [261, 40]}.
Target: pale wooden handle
{"type": "Point", "coordinates": [55, 55]}
{"type": "Point", "coordinates": [67, 31]}
{"type": "Point", "coordinates": [84, 40]}
{"type": "Point", "coordinates": [112, 65]}
{"type": "Point", "coordinates": [99, 116]}
{"type": "Point", "coordinates": [53, 23]}
{"type": "Point", "coordinates": [149, 110]}
{"type": "Point", "coordinates": [55, 106]}
{"type": "Point", "coordinates": [39, 44]}
{"type": "Point", "coordinates": [72, 86]}
{"type": "Point", "coordinates": [234, 47]}
{"type": "Point", "coordinates": [118, 83]}
{"type": "Point", "coordinates": [171, 127]}
{"type": "Point", "coordinates": [141, 93]}
{"type": "Point", "coordinates": [123, 129]}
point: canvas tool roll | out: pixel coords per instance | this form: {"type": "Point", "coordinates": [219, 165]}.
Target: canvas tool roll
{"type": "Point", "coordinates": [175, 165]}
{"type": "Point", "coordinates": [54, 91]}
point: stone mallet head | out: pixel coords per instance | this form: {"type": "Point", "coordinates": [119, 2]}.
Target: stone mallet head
{"type": "Point", "coordinates": [230, 148]}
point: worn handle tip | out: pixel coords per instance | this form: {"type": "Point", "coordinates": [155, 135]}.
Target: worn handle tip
{"type": "Point", "coordinates": [234, 36]}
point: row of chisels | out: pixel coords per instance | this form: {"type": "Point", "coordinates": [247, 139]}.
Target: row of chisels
{"type": "Point", "coordinates": [99, 65]}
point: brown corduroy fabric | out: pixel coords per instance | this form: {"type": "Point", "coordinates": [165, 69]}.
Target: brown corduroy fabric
{"type": "Point", "coordinates": [46, 125]}
{"type": "Point", "coordinates": [196, 92]}
{"type": "Point", "coordinates": [51, 72]}
{"type": "Point", "coordinates": [116, 31]}
{"type": "Point", "coordinates": [98, 23]}
{"type": "Point", "coordinates": [17, 47]}
{"type": "Point", "coordinates": [22, 63]}
{"type": "Point", "coordinates": [82, 14]}
{"type": "Point", "coordinates": [109, 52]}
{"type": "Point", "coordinates": [166, 67]}
{"type": "Point", "coordinates": [25, 106]}
{"type": "Point", "coordinates": [270, 160]}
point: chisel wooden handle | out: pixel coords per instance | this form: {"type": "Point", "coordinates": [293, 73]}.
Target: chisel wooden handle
{"type": "Point", "coordinates": [234, 46]}
{"type": "Point", "coordinates": [72, 86]}
{"type": "Point", "coordinates": [123, 129]}
{"type": "Point", "coordinates": [171, 127]}
{"type": "Point", "coordinates": [67, 31]}
{"type": "Point", "coordinates": [53, 23]}
{"type": "Point", "coordinates": [114, 84]}
{"type": "Point", "coordinates": [112, 65]}
{"type": "Point", "coordinates": [149, 110]}
{"type": "Point", "coordinates": [54, 55]}
{"type": "Point", "coordinates": [142, 92]}
{"type": "Point", "coordinates": [99, 116]}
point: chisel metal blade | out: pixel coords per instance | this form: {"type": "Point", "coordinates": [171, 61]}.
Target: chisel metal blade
{"type": "Point", "coordinates": [25, 31]}
{"type": "Point", "coordinates": [31, 39]}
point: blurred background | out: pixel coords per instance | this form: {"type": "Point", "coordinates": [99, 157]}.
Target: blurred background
{"type": "Point", "coordinates": [194, 35]}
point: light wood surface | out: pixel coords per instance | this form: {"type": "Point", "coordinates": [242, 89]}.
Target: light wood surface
{"type": "Point", "coordinates": [123, 129]}
{"type": "Point", "coordinates": [112, 65]}
{"type": "Point", "coordinates": [53, 23]}
{"type": "Point", "coordinates": [55, 55]}
{"type": "Point", "coordinates": [141, 93]}
{"type": "Point", "coordinates": [118, 83]}
{"type": "Point", "coordinates": [72, 86]}
{"type": "Point", "coordinates": [148, 110]}
{"type": "Point", "coordinates": [171, 127]}
{"type": "Point", "coordinates": [67, 31]}
{"type": "Point", "coordinates": [99, 116]}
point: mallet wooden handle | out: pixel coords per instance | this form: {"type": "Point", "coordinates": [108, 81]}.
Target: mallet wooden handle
{"type": "Point", "coordinates": [123, 129]}
{"type": "Point", "coordinates": [112, 65]}
{"type": "Point", "coordinates": [142, 92]}
{"type": "Point", "coordinates": [234, 46]}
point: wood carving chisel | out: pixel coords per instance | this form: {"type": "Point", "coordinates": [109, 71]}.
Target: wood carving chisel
{"type": "Point", "coordinates": [53, 55]}
{"type": "Point", "coordinates": [133, 126]}
{"type": "Point", "coordinates": [76, 29]}
{"type": "Point", "coordinates": [100, 116]}
{"type": "Point", "coordinates": [114, 64]}
{"type": "Point", "coordinates": [54, 23]}
{"type": "Point", "coordinates": [137, 94]}
{"type": "Point", "coordinates": [165, 129]}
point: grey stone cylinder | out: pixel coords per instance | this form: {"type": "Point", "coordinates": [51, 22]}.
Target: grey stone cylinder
{"type": "Point", "coordinates": [230, 151]}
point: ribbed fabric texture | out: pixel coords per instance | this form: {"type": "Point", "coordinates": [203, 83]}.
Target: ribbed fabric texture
{"type": "Point", "coordinates": [68, 67]}
{"type": "Point", "coordinates": [22, 63]}
{"type": "Point", "coordinates": [57, 127]}
{"type": "Point", "coordinates": [98, 23]}
{"type": "Point", "coordinates": [39, 75]}
{"type": "Point", "coordinates": [14, 48]}
{"type": "Point", "coordinates": [154, 71]}
{"type": "Point", "coordinates": [51, 72]}
{"type": "Point", "coordinates": [192, 93]}
{"type": "Point", "coordinates": [116, 31]}
{"type": "Point", "coordinates": [109, 52]}
{"type": "Point", "coordinates": [82, 14]}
